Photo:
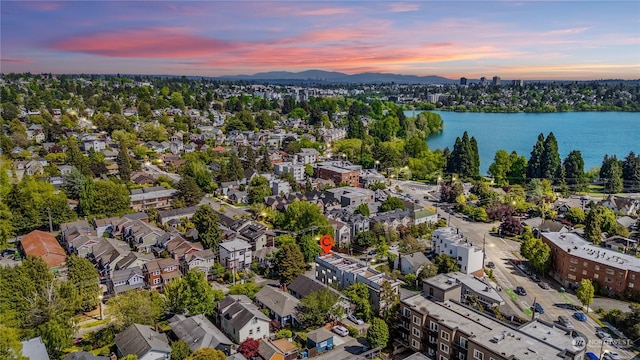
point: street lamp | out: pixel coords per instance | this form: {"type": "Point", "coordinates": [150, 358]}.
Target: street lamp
{"type": "Point", "coordinates": [377, 163]}
{"type": "Point", "coordinates": [100, 297]}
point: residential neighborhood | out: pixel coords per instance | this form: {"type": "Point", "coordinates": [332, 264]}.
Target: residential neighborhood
{"type": "Point", "coordinates": [152, 218]}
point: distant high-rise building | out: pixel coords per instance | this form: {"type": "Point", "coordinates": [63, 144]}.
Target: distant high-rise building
{"type": "Point", "coordinates": [496, 81]}
{"type": "Point", "coordinates": [518, 82]}
{"type": "Point", "coordinates": [483, 81]}
{"type": "Point", "coordinates": [463, 81]}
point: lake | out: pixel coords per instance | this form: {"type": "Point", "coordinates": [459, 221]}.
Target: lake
{"type": "Point", "coordinates": [593, 133]}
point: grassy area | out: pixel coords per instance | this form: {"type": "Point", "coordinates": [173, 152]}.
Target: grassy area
{"type": "Point", "coordinates": [94, 323]}
{"type": "Point", "coordinates": [511, 294]}
{"type": "Point", "coordinates": [528, 312]}
{"type": "Point", "coordinates": [566, 299]}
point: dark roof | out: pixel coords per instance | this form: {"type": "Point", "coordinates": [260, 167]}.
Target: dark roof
{"type": "Point", "coordinates": [240, 312]}
{"type": "Point", "coordinates": [304, 285]}
{"type": "Point", "coordinates": [140, 339]}
{"type": "Point", "coordinates": [278, 301]}
{"type": "Point", "coordinates": [126, 274]}
{"type": "Point", "coordinates": [198, 332]}
{"type": "Point", "coordinates": [137, 216]}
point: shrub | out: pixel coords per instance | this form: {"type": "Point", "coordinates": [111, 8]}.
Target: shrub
{"type": "Point", "coordinates": [353, 331]}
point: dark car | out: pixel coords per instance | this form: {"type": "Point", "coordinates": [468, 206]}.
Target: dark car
{"type": "Point", "coordinates": [580, 316]}
{"type": "Point", "coordinates": [521, 291]}
{"type": "Point", "coordinates": [538, 308]}
{"type": "Point", "coordinates": [535, 278]}
{"type": "Point", "coordinates": [491, 265]}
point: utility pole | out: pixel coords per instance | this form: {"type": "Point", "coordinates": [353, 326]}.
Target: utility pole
{"type": "Point", "coordinates": [533, 313]}
{"type": "Point", "coordinates": [233, 269]}
{"type": "Point", "coordinates": [50, 222]}
{"type": "Point", "coordinates": [484, 253]}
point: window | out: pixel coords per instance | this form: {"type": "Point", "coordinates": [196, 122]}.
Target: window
{"type": "Point", "coordinates": [258, 329]}
{"type": "Point", "coordinates": [630, 285]}
{"type": "Point", "coordinates": [407, 312]}
{"type": "Point", "coordinates": [444, 348]}
{"type": "Point", "coordinates": [572, 268]}
{"type": "Point", "coordinates": [157, 272]}
{"type": "Point", "coordinates": [571, 276]}
{"type": "Point", "coordinates": [442, 357]}
{"type": "Point", "coordinates": [633, 276]}
{"type": "Point", "coordinates": [477, 354]}
{"type": "Point", "coordinates": [459, 258]}
{"type": "Point", "coordinates": [595, 276]}
{"type": "Point", "coordinates": [610, 271]}
{"type": "Point", "coordinates": [584, 272]}
{"type": "Point", "coordinates": [573, 260]}
{"type": "Point", "coordinates": [254, 321]}
{"type": "Point", "coordinates": [433, 326]}
{"type": "Point", "coordinates": [415, 332]}
{"type": "Point", "coordinates": [585, 264]}
{"type": "Point", "coordinates": [432, 339]}
{"type": "Point", "coordinates": [416, 320]}
{"type": "Point", "coordinates": [431, 352]}
{"type": "Point", "coordinates": [461, 356]}
{"type": "Point", "coordinates": [444, 335]}
{"type": "Point", "coordinates": [608, 280]}
{"type": "Point", "coordinates": [250, 331]}
{"type": "Point", "coordinates": [620, 274]}
{"type": "Point", "coordinates": [415, 344]}
{"type": "Point", "coordinates": [463, 343]}
{"type": "Point", "coordinates": [156, 281]}
{"type": "Point", "coordinates": [597, 267]}
{"type": "Point", "coordinates": [490, 358]}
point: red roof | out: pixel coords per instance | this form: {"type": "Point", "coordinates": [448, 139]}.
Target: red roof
{"type": "Point", "coordinates": [45, 246]}
{"type": "Point", "coordinates": [219, 149]}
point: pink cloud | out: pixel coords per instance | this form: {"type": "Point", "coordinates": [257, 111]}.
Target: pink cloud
{"type": "Point", "coordinates": [323, 12]}
{"type": "Point", "coordinates": [43, 5]}
{"type": "Point", "coordinates": [17, 61]}
{"type": "Point", "coordinates": [155, 43]}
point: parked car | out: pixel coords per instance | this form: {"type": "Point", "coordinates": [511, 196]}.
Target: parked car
{"type": "Point", "coordinates": [355, 319]}
{"type": "Point", "coordinates": [544, 285]}
{"type": "Point", "coordinates": [340, 330]}
{"type": "Point", "coordinates": [538, 308]}
{"type": "Point", "coordinates": [564, 321]}
{"type": "Point", "coordinates": [535, 278]}
{"type": "Point", "coordinates": [491, 265]}
{"type": "Point", "coordinates": [612, 355]}
{"type": "Point", "coordinates": [601, 334]}
{"type": "Point", "coordinates": [521, 291]}
{"type": "Point", "coordinates": [580, 316]}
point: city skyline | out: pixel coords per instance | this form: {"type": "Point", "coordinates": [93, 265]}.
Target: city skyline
{"type": "Point", "coordinates": [515, 40]}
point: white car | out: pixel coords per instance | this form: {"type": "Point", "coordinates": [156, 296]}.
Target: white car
{"type": "Point", "coordinates": [612, 355]}
{"type": "Point", "coordinates": [340, 330]}
{"type": "Point", "coordinates": [355, 319]}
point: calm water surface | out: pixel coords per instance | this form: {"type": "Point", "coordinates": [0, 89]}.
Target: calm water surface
{"type": "Point", "coordinates": [593, 133]}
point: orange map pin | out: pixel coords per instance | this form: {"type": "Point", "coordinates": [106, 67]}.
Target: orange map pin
{"type": "Point", "coordinates": [326, 242]}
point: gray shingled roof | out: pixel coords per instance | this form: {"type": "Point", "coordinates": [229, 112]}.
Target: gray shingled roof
{"type": "Point", "coordinates": [319, 335]}
{"type": "Point", "coordinates": [278, 301]}
{"type": "Point", "coordinates": [198, 332]}
{"type": "Point", "coordinates": [140, 339]}
{"type": "Point", "coordinates": [83, 355]}
{"type": "Point", "coordinates": [304, 285]}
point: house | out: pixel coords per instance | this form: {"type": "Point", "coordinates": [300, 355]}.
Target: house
{"type": "Point", "coordinates": [307, 155]}
{"type": "Point", "coordinates": [240, 319]}
{"type": "Point", "coordinates": [96, 144]}
{"type": "Point", "coordinates": [281, 349]}
{"type": "Point", "coordinates": [621, 205]}
{"type": "Point", "coordinates": [280, 187]}
{"type": "Point", "coordinates": [257, 235]}
{"type": "Point", "coordinates": [106, 254]}
{"type": "Point", "coordinates": [297, 170]}
{"type": "Point", "coordinates": [176, 147]}
{"type": "Point", "coordinates": [201, 260]}
{"type": "Point", "coordinates": [126, 279]}
{"type": "Point", "coordinates": [157, 197]}
{"type": "Point", "coordinates": [83, 355]}
{"type": "Point", "coordinates": [282, 306]}
{"type": "Point", "coordinates": [341, 233]}
{"type": "Point", "coordinates": [133, 259]}
{"type": "Point", "coordinates": [158, 272]}
{"type": "Point", "coordinates": [45, 246]}
{"type": "Point", "coordinates": [265, 256]}
{"type": "Point", "coordinates": [143, 341]}
{"type": "Point", "coordinates": [320, 340]}
{"type": "Point", "coordinates": [34, 349]}
{"type": "Point", "coordinates": [339, 172]}
{"type": "Point", "coordinates": [238, 197]}
{"type": "Point", "coordinates": [235, 254]}
{"type": "Point", "coordinates": [394, 218]}
{"type": "Point", "coordinates": [198, 332]}
{"type": "Point", "coordinates": [304, 285]}
{"type": "Point", "coordinates": [411, 263]}
{"type": "Point", "coordinates": [451, 242]}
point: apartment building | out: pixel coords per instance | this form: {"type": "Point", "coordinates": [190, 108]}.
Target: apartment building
{"type": "Point", "coordinates": [157, 197]}
{"type": "Point", "coordinates": [574, 259]}
{"type": "Point", "coordinates": [235, 254]}
{"type": "Point", "coordinates": [448, 330]}
{"type": "Point", "coordinates": [307, 155]}
{"type": "Point", "coordinates": [350, 196]}
{"type": "Point", "coordinates": [339, 172]}
{"type": "Point", "coordinates": [459, 287]}
{"type": "Point", "coordinates": [340, 271]}
{"type": "Point", "coordinates": [450, 241]}
{"type": "Point", "coordinates": [297, 170]}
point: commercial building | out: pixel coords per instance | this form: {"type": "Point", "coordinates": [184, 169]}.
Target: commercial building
{"type": "Point", "coordinates": [448, 330]}
{"type": "Point", "coordinates": [496, 81]}
{"type": "Point", "coordinates": [339, 172]}
{"type": "Point", "coordinates": [339, 271]}
{"type": "Point", "coordinates": [463, 81]}
{"type": "Point", "coordinates": [574, 259]}
{"type": "Point", "coordinates": [450, 241]}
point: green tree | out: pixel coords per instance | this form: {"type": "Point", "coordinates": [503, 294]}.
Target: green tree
{"type": "Point", "coordinates": [7, 229]}
{"type": "Point", "coordinates": [180, 350]}
{"type": "Point", "coordinates": [85, 277]}
{"type": "Point", "coordinates": [500, 167]}
{"type": "Point", "coordinates": [575, 215]}
{"type": "Point", "coordinates": [309, 247]}
{"type": "Point", "coordinates": [111, 198]}
{"type": "Point", "coordinates": [199, 172]}
{"type": "Point", "coordinates": [233, 169]}
{"type": "Point", "coordinates": [303, 215]}
{"type": "Point", "coordinates": [249, 289]}
{"type": "Point", "coordinates": [464, 158]}
{"type": "Point", "coordinates": [290, 263]}
{"type": "Point", "coordinates": [284, 334]}
{"type": "Point", "coordinates": [124, 162]}
{"type": "Point", "coordinates": [10, 345]}
{"type": "Point", "coordinates": [446, 264]}
{"type": "Point", "coordinates": [135, 307]}
{"type": "Point", "coordinates": [536, 251]}
{"type": "Point", "coordinates": [534, 166]}
{"type": "Point", "coordinates": [358, 294]}
{"type": "Point", "coordinates": [592, 228]}
{"type": "Point", "coordinates": [574, 170]}
{"type": "Point", "coordinates": [550, 162]}
{"type": "Point", "coordinates": [188, 191]}
{"type": "Point", "coordinates": [378, 333]}
{"type": "Point", "coordinates": [362, 209]}
{"type": "Point", "coordinates": [130, 357]}
{"type": "Point", "coordinates": [259, 189]}
{"type": "Point", "coordinates": [392, 203]}
{"type": "Point", "coordinates": [191, 293]}
{"type": "Point", "coordinates": [153, 132]}
{"type": "Point", "coordinates": [585, 293]}
{"type": "Point", "coordinates": [207, 354]}
{"type": "Point", "coordinates": [318, 307]}
{"type": "Point", "coordinates": [206, 222]}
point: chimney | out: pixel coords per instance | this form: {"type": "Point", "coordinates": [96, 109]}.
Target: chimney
{"type": "Point", "coordinates": [113, 356]}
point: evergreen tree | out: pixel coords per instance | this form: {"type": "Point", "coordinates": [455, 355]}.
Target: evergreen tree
{"type": "Point", "coordinates": [534, 166]}
{"type": "Point", "coordinates": [289, 263]}
{"type": "Point", "coordinates": [124, 163]}
{"type": "Point", "coordinates": [232, 170]}
{"type": "Point", "coordinates": [76, 158]}
{"type": "Point", "coordinates": [631, 172]}
{"type": "Point", "coordinates": [264, 165]}
{"type": "Point", "coordinates": [206, 222]}
{"type": "Point", "coordinates": [188, 191]}
{"type": "Point", "coordinates": [592, 230]}
{"type": "Point", "coordinates": [355, 128]}
{"type": "Point", "coordinates": [85, 277]}
{"type": "Point", "coordinates": [550, 162]}
{"type": "Point", "coordinates": [86, 199]}
{"type": "Point", "coordinates": [573, 168]}
{"type": "Point", "coordinates": [475, 157]}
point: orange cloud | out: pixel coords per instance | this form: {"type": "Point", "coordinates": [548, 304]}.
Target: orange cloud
{"type": "Point", "coordinates": [323, 12]}
{"type": "Point", "coordinates": [154, 43]}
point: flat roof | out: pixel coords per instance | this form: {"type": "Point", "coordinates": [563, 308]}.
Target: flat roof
{"type": "Point", "coordinates": [575, 245]}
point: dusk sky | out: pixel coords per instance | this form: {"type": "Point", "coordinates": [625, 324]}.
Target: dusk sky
{"type": "Point", "coordinates": [511, 39]}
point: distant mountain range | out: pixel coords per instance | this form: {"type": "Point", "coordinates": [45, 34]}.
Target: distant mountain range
{"type": "Point", "coordinates": [320, 76]}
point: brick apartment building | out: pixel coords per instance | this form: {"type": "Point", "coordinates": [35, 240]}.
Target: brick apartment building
{"type": "Point", "coordinates": [339, 172]}
{"type": "Point", "coordinates": [448, 330]}
{"type": "Point", "coordinates": [574, 259]}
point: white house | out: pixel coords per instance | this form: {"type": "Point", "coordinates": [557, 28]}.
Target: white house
{"type": "Point", "coordinates": [449, 241]}
{"type": "Point", "coordinates": [240, 319]}
{"type": "Point", "coordinates": [308, 155]}
{"type": "Point", "coordinates": [235, 254]}
{"type": "Point", "coordinates": [143, 341]}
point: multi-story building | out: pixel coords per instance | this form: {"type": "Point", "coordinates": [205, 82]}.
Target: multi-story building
{"type": "Point", "coordinates": [448, 330]}
{"type": "Point", "coordinates": [496, 81]}
{"type": "Point", "coordinates": [463, 81]}
{"type": "Point", "coordinates": [459, 287]}
{"type": "Point", "coordinates": [574, 259]}
{"type": "Point", "coordinates": [157, 197]}
{"type": "Point", "coordinates": [308, 155]}
{"type": "Point", "coordinates": [240, 319]}
{"type": "Point", "coordinates": [339, 172]}
{"type": "Point", "coordinates": [235, 254]}
{"type": "Point", "coordinates": [158, 272]}
{"type": "Point", "coordinates": [450, 242]}
{"type": "Point", "coordinates": [337, 270]}
{"type": "Point", "coordinates": [350, 196]}
{"type": "Point", "coordinates": [297, 170]}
